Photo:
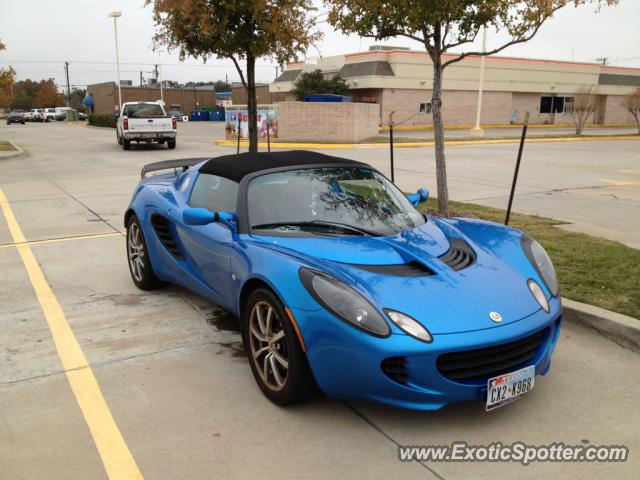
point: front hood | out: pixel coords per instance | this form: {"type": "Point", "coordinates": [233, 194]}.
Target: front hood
{"type": "Point", "coordinates": [427, 239]}
{"type": "Point", "coordinates": [446, 301]}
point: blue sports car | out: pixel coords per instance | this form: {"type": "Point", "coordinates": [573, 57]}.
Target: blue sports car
{"type": "Point", "coordinates": [340, 282]}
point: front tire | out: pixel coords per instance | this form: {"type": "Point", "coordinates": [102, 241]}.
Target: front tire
{"type": "Point", "coordinates": [138, 257]}
{"type": "Point", "coordinates": [277, 361]}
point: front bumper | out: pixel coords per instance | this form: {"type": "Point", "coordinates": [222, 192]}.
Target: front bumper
{"type": "Point", "coordinates": [347, 363]}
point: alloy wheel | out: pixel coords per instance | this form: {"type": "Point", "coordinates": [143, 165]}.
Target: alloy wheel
{"type": "Point", "coordinates": [135, 250]}
{"type": "Point", "coordinates": [268, 345]}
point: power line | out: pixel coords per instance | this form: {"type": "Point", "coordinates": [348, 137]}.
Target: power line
{"type": "Point", "coordinates": [204, 65]}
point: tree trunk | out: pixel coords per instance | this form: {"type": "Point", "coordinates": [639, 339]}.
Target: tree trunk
{"type": "Point", "coordinates": [579, 124]}
{"type": "Point", "coordinates": [438, 132]}
{"type": "Point", "coordinates": [252, 103]}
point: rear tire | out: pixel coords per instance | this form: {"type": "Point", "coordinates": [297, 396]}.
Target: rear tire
{"type": "Point", "coordinates": [126, 144]}
{"type": "Point", "coordinates": [118, 138]}
{"type": "Point", "coordinates": [277, 361]}
{"type": "Point", "coordinates": [171, 144]}
{"type": "Point", "coordinates": [138, 257]}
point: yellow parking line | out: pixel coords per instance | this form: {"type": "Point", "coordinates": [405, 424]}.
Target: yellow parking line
{"type": "Point", "coordinates": [429, 143]}
{"type": "Point", "coordinates": [64, 239]}
{"type": "Point", "coordinates": [116, 457]}
{"type": "Point", "coordinates": [620, 183]}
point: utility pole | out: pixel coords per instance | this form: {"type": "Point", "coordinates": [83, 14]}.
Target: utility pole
{"type": "Point", "coordinates": [602, 61]}
{"type": "Point", "coordinates": [141, 79]}
{"type": "Point", "coordinates": [155, 67]}
{"type": "Point", "coordinates": [159, 70]}
{"type": "Point", "coordinates": [276, 71]}
{"type": "Point", "coordinates": [66, 69]}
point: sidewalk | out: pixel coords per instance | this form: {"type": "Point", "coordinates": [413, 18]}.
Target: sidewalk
{"type": "Point", "coordinates": [407, 142]}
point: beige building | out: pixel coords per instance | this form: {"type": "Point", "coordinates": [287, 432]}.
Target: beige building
{"type": "Point", "coordinates": [399, 80]}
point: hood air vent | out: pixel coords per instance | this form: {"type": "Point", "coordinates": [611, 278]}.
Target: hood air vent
{"type": "Point", "coordinates": [459, 256]}
{"type": "Point", "coordinates": [164, 230]}
{"type": "Point", "coordinates": [412, 269]}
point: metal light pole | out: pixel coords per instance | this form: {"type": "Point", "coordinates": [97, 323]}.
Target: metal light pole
{"type": "Point", "coordinates": [477, 131]}
{"type": "Point", "coordinates": [115, 16]}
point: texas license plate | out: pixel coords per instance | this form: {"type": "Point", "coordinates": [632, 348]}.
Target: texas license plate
{"type": "Point", "coordinates": [509, 387]}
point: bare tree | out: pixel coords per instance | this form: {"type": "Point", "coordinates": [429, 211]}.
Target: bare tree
{"type": "Point", "coordinates": [584, 105]}
{"type": "Point", "coordinates": [631, 103]}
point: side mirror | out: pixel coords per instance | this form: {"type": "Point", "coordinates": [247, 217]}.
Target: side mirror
{"type": "Point", "coordinates": [421, 196]}
{"type": "Point", "coordinates": [198, 216]}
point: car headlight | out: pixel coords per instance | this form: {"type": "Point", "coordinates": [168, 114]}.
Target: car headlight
{"type": "Point", "coordinates": [344, 302]}
{"type": "Point", "coordinates": [538, 294]}
{"type": "Point", "coordinates": [541, 262]}
{"type": "Point", "coordinates": [409, 325]}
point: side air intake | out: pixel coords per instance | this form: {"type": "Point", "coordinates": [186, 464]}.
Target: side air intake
{"type": "Point", "coordinates": [165, 231]}
{"type": "Point", "coordinates": [459, 256]}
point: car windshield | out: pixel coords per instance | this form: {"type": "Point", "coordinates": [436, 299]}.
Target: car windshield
{"type": "Point", "coordinates": [334, 200]}
{"type": "Point", "coordinates": [143, 110]}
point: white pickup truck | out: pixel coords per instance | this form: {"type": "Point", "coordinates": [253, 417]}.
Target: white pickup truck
{"type": "Point", "coordinates": [145, 122]}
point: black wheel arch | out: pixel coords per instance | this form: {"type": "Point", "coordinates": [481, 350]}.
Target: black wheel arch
{"type": "Point", "coordinates": [127, 216]}
{"type": "Point", "coordinates": [248, 288]}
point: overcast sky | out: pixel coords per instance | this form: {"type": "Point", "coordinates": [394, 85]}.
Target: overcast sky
{"type": "Point", "coordinates": [41, 34]}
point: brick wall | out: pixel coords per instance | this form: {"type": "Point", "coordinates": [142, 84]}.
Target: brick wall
{"type": "Point", "coordinates": [105, 97]}
{"type": "Point", "coordinates": [239, 95]}
{"type": "Point", "coordinates": [523, 102]}
{"type": "Point", "coordinates": [614, 111]}
{"type": "Point", "coordinates": [458, 107]}
{"type": "Point", "coordinates": [327, 122]}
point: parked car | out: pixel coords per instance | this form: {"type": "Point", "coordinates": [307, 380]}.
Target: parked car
{"type": "Point", "coordinates": [33, 115]}
{"type": "Point", "coordinates": [339, 280]}
{"type": "Point", "coordinates": [175, 113]}
{"type": "Point", "coordinates": [82, 116]}
{"type": "Point", "coordinates": [61, 113]}
{"type": "Point", "coordinates": [145, 122]}
{"type": "Point", "coordinates": [15, 117]}
{"type": "Point", "coordinates": [48, 114]}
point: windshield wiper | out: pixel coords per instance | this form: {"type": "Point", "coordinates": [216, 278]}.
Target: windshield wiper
{"type": "Point", "coordinates": [321, 223]}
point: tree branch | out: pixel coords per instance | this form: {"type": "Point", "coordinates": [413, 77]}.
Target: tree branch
{"type": "Point", "coordinates": [508, 44]}
{"type": "Point", "coordinates": [461, 42]}
{"type": "Point", "coordinates": [396, 34]}
{"type": "Point", "coordinates": [235, 62]}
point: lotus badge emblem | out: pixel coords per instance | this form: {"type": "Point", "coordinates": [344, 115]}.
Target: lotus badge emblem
{"type": "Point", "coordinates": [495, 316]}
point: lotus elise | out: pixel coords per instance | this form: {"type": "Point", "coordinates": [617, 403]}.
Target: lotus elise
{"type": "Point", "coordinates": [339, 281]}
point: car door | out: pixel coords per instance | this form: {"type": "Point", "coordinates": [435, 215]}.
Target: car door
{"type": "Point", "coordinates": [209, 246]}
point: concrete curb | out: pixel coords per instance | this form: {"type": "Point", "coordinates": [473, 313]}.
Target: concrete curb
{"type": "Point", "coordinates": [18, 153]}
{"type": "Point", "coordinates": [505, 125]}
{"type": "Point", "coordinates": [623, 330]}
{"type": "Point", "coordinates": [448, 143]}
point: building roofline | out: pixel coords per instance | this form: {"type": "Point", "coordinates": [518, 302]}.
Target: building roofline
{"type": "Point", "coordinates": [489, 58]}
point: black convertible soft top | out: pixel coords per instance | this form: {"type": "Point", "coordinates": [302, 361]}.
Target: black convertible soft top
{"type": "Point", "coordinates": [236, 167]}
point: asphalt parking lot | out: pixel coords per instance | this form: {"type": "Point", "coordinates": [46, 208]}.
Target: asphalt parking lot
{"type": "Point", "coordinates": [171, 367]}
